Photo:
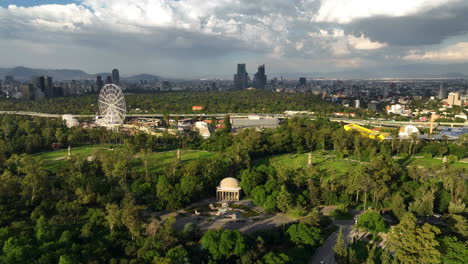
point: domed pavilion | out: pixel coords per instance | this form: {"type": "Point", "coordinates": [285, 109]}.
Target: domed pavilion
{"type": "Point", "coordinates": [228, 190]}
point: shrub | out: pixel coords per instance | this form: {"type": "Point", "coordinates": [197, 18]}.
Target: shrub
{"type": "Point", "coordinates": [371, 221]}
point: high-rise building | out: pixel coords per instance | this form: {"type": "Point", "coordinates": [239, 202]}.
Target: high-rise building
{"type": "Point", "coordinates": [357, 103]}
{"type": "Point", "coordinates": [109, 79]}
{"type": "Point", "coordinates": [43, 87]}
{"type": "Point", "coordinates": [260, 79]}
{"type": "Point", "coordinates": [115, 76]}
{"type": "Point", "coordinates": [454, 99]}
{"type": "Point", "coordinates": [27, 90]}
{"type": "Point", "coordinates": [99, 83]}
{"type": "Point", "coordinates": [442, 92]}
{"type": "Point", "coordinates": [386, 91]}
{"type": "Point", "coordinates": [241, 79]}
{"type": "Point", "coordinates": [302, 82]}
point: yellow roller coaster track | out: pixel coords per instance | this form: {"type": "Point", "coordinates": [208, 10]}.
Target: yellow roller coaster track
{"type": "Point", "coordinates": [366, 132]}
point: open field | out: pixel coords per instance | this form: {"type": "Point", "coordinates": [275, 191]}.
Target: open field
{"type": "Point", "coordinates": [324, 162]}
{"type": "Point", "coordinates": [56, 159]}
{"type": "Point", "coordinates": [430, 162]}
{"type": "Point", "coordinates": [158, 161]}
{"type": "Point", "coordinates": [329, 162]}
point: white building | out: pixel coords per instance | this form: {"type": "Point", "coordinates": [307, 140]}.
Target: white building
{"type": "Point", "coordinates": [228, 190]}
{"type": "Point", "coordinates": [203, 129]}
{"type": "Point", "coordinates": [407, 131]}
{"type": "Point", "coordinates": [70, 121]}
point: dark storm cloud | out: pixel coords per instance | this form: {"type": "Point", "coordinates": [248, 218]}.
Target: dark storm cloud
{"type": "Point", "coordinates": [428, 28]}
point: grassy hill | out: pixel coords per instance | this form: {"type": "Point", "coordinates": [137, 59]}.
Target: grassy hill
{"type": "Point", "coordinates": [57, 159]}
{"type": "Point", "coordinates": [329, 162]}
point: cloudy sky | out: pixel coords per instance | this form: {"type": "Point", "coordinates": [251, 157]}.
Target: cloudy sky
{"type": "Point", "coordinates": [189, 38]}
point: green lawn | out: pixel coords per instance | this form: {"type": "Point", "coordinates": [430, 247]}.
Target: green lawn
{"type": "Point", "coordinates": [430, 162]}
{"type": "Point", "coordinates": [324, 162]}
{"type": "Point", "coordinates": [54, 160]}
{"type": "Point", "coordinates": [57, 159]}
{"type": "Point", "coordinates": [330, 163]}
{"type": "Point", "coordinates": [160, 160]}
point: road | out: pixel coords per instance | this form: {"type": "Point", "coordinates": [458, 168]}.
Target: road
{"type": "Point", "coordinates": [388, 123]}
{"type": "Point", "coordinates": [325, 253]}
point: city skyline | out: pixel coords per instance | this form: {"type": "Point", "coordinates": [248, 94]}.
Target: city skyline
{"type": "Point", "coordinates": [192, 38]}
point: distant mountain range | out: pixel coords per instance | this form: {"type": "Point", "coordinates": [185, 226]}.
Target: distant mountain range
{"type": "Point", "coordinates": [25, 74]}
{"type": "Point", "coordinates": [455, 70]}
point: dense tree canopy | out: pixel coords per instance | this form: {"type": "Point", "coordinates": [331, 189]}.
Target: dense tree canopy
{"type": "Point", "coordinates": [96, 210]}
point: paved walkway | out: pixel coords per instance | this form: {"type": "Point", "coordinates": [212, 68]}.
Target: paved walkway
{"type": "Point", "coordinates": [325, 254]}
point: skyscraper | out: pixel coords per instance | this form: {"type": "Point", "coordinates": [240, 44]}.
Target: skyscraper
{"type": "Point", "coordinates": [99, 83]}
{"type": "Point", "coordinates": [260, 79]}
{"type": "Point", "coordinates": [442, 92]}
{"type": "Point", "coordinates": [109, 80]}
{"type": "Point", "coordinates": [241, 79]}
{"type": "Point", "coordinates": [115, 76]}
{"type": "Point", "coordinates": [43, 87]}
{"type": "Point", "coordinates": [302, 81]}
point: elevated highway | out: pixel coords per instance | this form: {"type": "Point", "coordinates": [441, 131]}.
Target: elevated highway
{"type": "Point", "coordinates": [361, 122]}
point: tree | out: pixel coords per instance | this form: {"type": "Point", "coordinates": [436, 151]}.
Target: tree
{"type": "Point", "coordinates": [284, 200]}
{"type": "Point", "coordinates": [372, 221]}
{"type": "Point", "coordinates": [178, 255]}
{"type": "Point", "coordinates": [113, 216]}
{"type": "Point", "coordinates": [454, 251]}
{"type": "Point", "coordinates": [275, 258]}
{"type": "Point", "coordinates": [223, 243]}
{"type": "Point", "coordinates": [65, 259]}
{"type": "Point", "coordinates": [42, 228]}
{"type": "Point", "coordinates": [250, 179]}
{"type": "Point", "coordinates": [371, 256]}
{"type": "Point", "coordinates": [259, 195]}
{"type": "Point", "coordinates": [340, 248]}
{"type": "Point", "coordinates": [227, 124]}
{"type": "Point", "coordinates": [301, 234]}
{"type": "Point", "coordinates": [130, 217]}
{"type": "Point", "coordinates": [414, 244]}
{"type": "Point", "coordinates": [457, 225]}
{"type": "Point", "coordinates": [17, 250]}
{"type": "Point", "coordinates": [352, 256]}
{"type": "Point", "coordinates": [398, 205]}
{"type": "Point", "coordinates": [35, 182]}
{"type": "Point", "coordinates": [385, 257]}
{"type": "Point", "coordinates": [457, 207]}
{"type": "Point", "coordinates": [423, 206]}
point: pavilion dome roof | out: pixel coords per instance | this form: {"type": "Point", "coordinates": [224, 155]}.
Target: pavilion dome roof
{"type": "Point", "coordinates": [229, 183]}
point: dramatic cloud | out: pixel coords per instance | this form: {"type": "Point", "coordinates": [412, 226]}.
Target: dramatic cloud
{"type": "Point", "coordinates": [345, 11]}
{"type": "Point", "coordinates": [453, 53]}
{"type": "Point", "coordinates": [199, 37]}
{"type": "Point", "coordinates": [424, 28]}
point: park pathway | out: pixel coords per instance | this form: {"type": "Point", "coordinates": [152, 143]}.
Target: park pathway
{"type": "Point", "coordinates": [325, 254]}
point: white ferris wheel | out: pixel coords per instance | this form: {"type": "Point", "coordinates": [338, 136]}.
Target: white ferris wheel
{"type": "Point", "coordinates": [112, 107]}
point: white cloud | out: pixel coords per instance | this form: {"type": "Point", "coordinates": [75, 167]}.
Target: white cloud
{"type": "Point", "coordinates": [179, 30]}
{"type": "Point", "coordinates": [363, 43]}
{"type": "Point", "coordinates": [50, 17]}
{"type": "Point", "coordinates": [453, 53]}
{"type": "Point", "coordinates": [341, 43]}
{"type": "Point", "coordinates": [345, 11]}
